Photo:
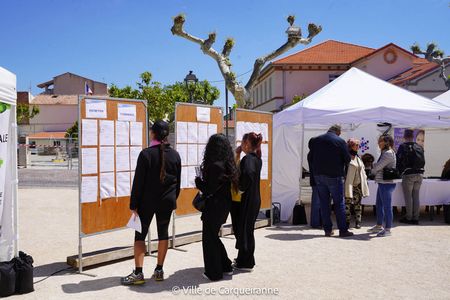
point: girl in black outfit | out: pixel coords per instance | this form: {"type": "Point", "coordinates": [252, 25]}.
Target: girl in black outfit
{"type": "Point", "coordinates": [218, 173]}
{"type": "Point", "coordinates": [156, 187]}
{"type": "Point", "coordinates": [249, 184]}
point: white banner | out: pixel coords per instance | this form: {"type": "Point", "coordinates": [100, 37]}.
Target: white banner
{"type": "Point", "coordinates": [5, 110]}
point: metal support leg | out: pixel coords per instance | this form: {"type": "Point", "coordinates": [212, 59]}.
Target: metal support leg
{"type": "Point", "coordinates": [80, 259]}
{"type": "Point", "coordinates": [173, 234]}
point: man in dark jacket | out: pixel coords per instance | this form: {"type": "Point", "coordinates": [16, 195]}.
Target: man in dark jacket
{"type": "Point", "coordinates": [410, 163]}
{"type": "Point", "coordinates": [329, 156]}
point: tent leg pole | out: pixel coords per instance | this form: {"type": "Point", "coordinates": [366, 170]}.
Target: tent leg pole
{"type": "Point", "coordinates": [301, 159]}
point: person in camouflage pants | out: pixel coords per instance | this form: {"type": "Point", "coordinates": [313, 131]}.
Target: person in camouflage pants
{"type": "Point", "coordinates": [356, 186]}
{"type": "Point", "coordinates": [354, 203]}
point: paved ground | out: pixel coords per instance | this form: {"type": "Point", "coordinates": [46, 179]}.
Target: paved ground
{"type": "Point", "coordinates": [48, 177]}
{"type": "Point", "coordinates": [295, 262]}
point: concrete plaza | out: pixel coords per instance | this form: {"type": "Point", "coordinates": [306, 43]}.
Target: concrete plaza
{"type": "Point", "coordinates": [293, 262]}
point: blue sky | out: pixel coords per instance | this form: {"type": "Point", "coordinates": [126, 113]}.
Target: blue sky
{"type": "Point", "coordinates": [115, 40]}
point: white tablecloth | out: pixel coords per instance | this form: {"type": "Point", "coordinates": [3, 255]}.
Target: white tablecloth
{"type": "Point", "coordinates": [432, 192]}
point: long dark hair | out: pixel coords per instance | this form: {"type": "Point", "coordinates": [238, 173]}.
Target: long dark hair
{"type": "Point", "coordinates": [219, 149]}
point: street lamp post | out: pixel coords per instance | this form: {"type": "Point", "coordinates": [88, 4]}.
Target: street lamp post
{"type": "Point", "coordinates": [189, 80]}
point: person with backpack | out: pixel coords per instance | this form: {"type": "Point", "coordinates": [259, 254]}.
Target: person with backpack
{"type": "Point", "coordinates": [410, 164]}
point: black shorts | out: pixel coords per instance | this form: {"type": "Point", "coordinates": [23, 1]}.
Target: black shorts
{"type": "Point", "coordinates": [162, 224]}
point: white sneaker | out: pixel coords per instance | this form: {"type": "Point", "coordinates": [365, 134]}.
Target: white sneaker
{"type": "Point", "coordinates": [383, 233]}
{"type": "Point", "coordinates": [375, 229]}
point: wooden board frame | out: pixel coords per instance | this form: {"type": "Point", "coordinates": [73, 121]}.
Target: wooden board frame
{"type": "Point", "coordinates": [187, 112]}
{"type": "Point", "coordinates": [109, 214]}
{"type": "Point", "coordinates": [254, 116]}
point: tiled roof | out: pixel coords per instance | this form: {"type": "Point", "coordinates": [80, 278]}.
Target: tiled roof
{"type": "Point", "coordinates": [421, 67]}
{"type": "Point", "coordinates": [328, 52]}
{"type": "Point", "coordinates": [47, 135]}
{"type": "Point", "coordinates": [55, 99]}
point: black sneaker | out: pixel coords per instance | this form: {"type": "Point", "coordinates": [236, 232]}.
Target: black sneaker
{"type": "Point", "coordinates": [346, 234]}
{"type": "Point", "coordinates": [158, 275]}
{"type": "Point", "coordinates": [228, 271]}
{"type": "Point", "coordinates": [243, 269]}
{"type": "Point", "coordinates": [358, 225]}
{"type": "Point", "coordinates": [133, 279]}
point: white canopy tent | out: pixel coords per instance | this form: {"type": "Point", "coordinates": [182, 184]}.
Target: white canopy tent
{"type": "Point", "coordinates": [443, 98]}
{"type": "Point", "coordinates": [8, 166]}
{"type": "Point", "coordinates": [353, 98]}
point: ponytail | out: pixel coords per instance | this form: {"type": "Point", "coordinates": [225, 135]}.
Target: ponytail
{"type": "Point", "coordinates": [162, 171]}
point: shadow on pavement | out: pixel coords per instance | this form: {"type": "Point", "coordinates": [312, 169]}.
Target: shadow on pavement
{"type": "Point", "coordinates": [187, 278]}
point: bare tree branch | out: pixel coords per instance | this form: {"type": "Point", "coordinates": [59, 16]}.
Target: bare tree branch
{"type": "Point", "coordinates": [433, 54]}
{"type": "Point", "coordinates": [242, 94]}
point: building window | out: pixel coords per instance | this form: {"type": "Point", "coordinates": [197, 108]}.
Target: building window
{"type": "Point", "coordinates": [332, 77]}
{"type": "Point", "coordinates": [265, 90]}
{"type": "Point", "coordinates": [260, 93]}
{"type": "Point", "coordinates": [270, 88]}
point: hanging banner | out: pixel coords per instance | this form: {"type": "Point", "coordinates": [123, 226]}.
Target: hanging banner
{"type": "Point", "coordinates": [5, 110]}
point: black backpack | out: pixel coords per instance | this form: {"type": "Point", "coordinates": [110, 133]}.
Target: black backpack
{"type": "Point", "coordinates": [414, 157]}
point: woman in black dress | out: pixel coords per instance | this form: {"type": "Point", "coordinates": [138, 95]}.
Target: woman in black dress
{"type": "Point", "coordinates": [249, 184]}
{"type": "Point", "coordinates": [218, 174]}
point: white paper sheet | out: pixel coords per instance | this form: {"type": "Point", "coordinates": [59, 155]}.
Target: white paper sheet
{"type": "Point", "coordinates": [123, 184]}
{"type": "Point", "coordinates": [106, 133]}
{"type": "Point", "coordinates": [265, 150]}
{"type": "Point", "coordinates": [89, 189]}
{"type": "Point", "coordinates": [135, 223]}
{"type": "Point", "coordinates": [192, 133]}
{"type": "Point", "coordinates": [265, 131]}
{"type": "Point", "coordinates": [182, 135]}
{"type": "Point", "coordinates": [265, 169]}
{"type": "Point", "coordinates": [182, 150]}
{"type": "Point", "coordinates": [122, 159]}
{"type": "Point", "coordinates": [96, 109]}
{"type": "Point", "coordinates": [184, 178]}
{"type": "Point", "coordinates": [89, 161]}
{"type": "Point", "coordinates": [106, 159]}
{"type": "Point", "coordinates": [136, 133]}
{"type": "Point", "coordinates": [201, 152]}
{"type": "Point", "coordinates": [239, 131]}
{"type": "Point", "coordinates": [203, 133]}
{"type": "Point", "coordinates": [122, 133]}
{"type": "Point", "coordinates": [126, 112]}
{"type": "Point", "coordinates": [107, 186]}
{"type": "Point", "coordinates": [134, 154]}
{"type": "Point", "coordinates": [132, 178]}
{"type": "Point", "coordinates": [203, 114]}
{"type": "Point", "coordinates": [212, 129]}
{"type": "Point", "coordinates": [89, 132]}
{"type": "Point", "coordinates": [192, 155]}
{"type": "Point", "coordinates": [191, 177]}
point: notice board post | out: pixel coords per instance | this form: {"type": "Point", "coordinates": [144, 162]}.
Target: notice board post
{"type": "Point", "coordinates": [259, 122]}
{"type": "Point", "coordinates": [194, 124]}
{"type": "Point", "coordinates": [112, 132]}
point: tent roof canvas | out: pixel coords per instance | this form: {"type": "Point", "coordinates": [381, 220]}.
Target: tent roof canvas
{"type": "Point", "coordinates": [443, 98]}
{"type": "Point", "coordinates": [8, 92]}
{"type": "Point", "coordinates": [358, 97]}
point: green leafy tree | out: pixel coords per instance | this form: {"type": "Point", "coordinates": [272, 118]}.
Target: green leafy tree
{"type": "Point", "coordinates": [72, 131]}
{"type": "Point", "coordinates": [161, 98]}
{"type": "Point", "coordinates": [26, 112]}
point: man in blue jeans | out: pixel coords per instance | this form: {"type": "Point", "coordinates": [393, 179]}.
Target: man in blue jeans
{"type": "Point", "coordinates": [329, 156]}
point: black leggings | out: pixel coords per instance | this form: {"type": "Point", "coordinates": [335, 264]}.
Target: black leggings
{"type": "Point", "coordinates": [162, 224]}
